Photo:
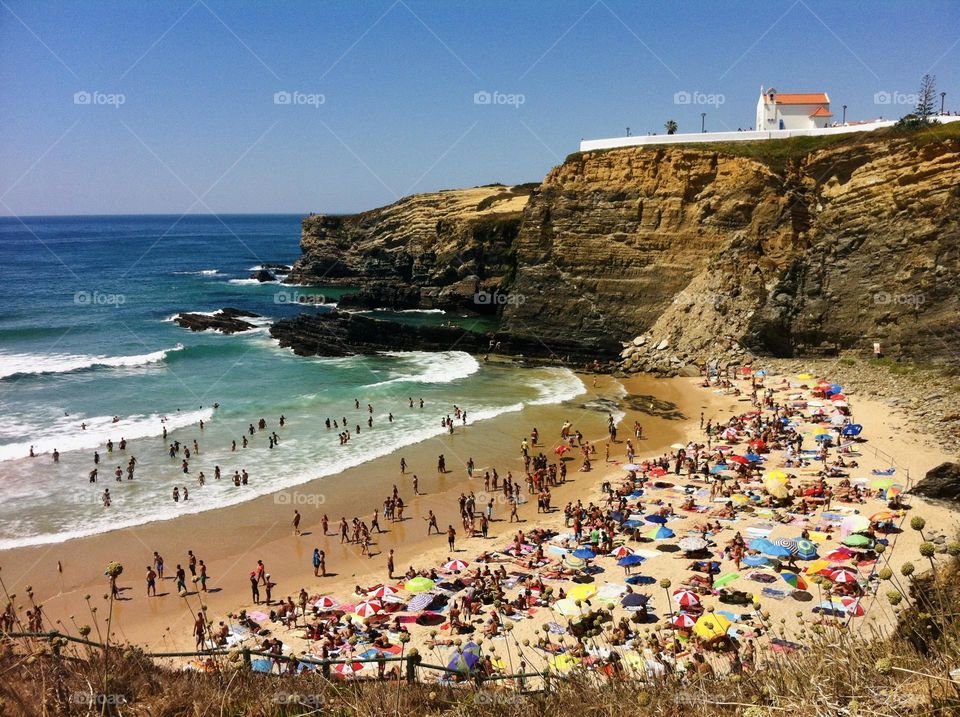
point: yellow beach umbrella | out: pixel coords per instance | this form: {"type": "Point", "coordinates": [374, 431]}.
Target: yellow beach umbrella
{"type": "Point", "coordinates": [804, 376]}
{"type": "Point", "coordinates": [777, 487]}
{"type": "Point", "coordinates": [816, 566]}
{"type": "Point", "coordinates": [776, 474]}
{"type": "Point", "coordinates": [711, 625]}
{"type": "Point", "coordinates": [567, 607]}
{"type": "Point", "coordinates": [584, 591]}
{"type": "Point", "coordinates": [564, 662]}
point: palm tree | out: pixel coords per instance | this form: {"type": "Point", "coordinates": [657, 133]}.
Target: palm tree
{"type": "Point", "coordinates": [671, 126]}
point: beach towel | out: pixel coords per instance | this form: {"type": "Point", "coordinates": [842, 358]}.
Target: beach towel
{"type": "Point", "coordinates": [888, 472]}
{"type": "Point", "coordinates": [774, 593]}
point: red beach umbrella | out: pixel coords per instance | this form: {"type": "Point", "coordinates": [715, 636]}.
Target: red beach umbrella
{"type": "Point", "coordinates": [686, 598]}
{"type": "Point", "coordinates": [682, 619]}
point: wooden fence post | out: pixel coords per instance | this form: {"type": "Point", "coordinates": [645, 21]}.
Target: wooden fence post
{"type": "Point", "coordinates": [413, 659]}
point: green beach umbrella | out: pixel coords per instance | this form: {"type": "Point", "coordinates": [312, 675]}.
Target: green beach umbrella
{"type": "Point", "coordinates": [725, 579]}
{"type": "Point", "coordinates": [419, 584]}
{"type": "Point", "coordinates": [857, 541]}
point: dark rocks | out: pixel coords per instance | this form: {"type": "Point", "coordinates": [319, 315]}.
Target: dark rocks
{"type": "Point", "coordinates": [942, 483]}
{"type": "Point", "coordinates": [339, 333]}
{"type": "Point", "coordinates": [226, 321]}
{"type": "Point", "coordinates": [263, 275]}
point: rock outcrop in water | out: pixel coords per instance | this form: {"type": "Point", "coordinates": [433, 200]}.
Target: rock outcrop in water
{"type": "Point", "coordinates": [799, 247]}
{"type": "Point", "coordinates": [226, 321]}
{"type": "Point", "coordinates": [339, 333]}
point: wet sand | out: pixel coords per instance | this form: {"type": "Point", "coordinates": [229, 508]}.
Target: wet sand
{"type": "Point", "coordinates": [232, 539]}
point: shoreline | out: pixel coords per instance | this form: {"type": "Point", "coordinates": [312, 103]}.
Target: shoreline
{"type": "Point", "coordinates": [230, 539]}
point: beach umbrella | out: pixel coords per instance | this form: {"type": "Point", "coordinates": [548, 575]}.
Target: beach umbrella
{"type": "Point", "coordinates": [854, 524]}
{"type": "Point", "coordinates": [573, 562]}
{"type": "Point", "coordinates": [776, 474]}
{"type": "Point", "coordinates": [806, 549]}
{"type": "Point", "coordinates": [629, 560]}
{"type": "Point", "coordinates": [456, 566]}
{"type": "Point", "coordinates": [753, 457]}
{"type": "Point", "coordinates": [691, 544]}
{"type": "Point", "coordinates": [621, 552]}
{"type": "Point", "coordinates": [683, 620]}
{"type": "Point", "coordinates": [420, 602]}
{"type": "Point", "coordinates": [816, 567]}
{"type": "Point", "coordinates": [583, 591]}
{"type": "Point", "coordinates": [584, 554]}
{"type": "Point", "coordinates": [843, 576]}
{"type": "Point", "coordinates": [789, 544]}
{"type": "Point", "coordinates": [835, 388]}
{"type": "Point", "coordinates": [823, 437]}
{"type": "Point", "coordinates": [325, 603]}
{"type": "Point", "coordinates": [857, 541]}
{"type": "Point", "coordinates": [660, 533]}
{"type": "Point", "coordinates": [634, 600]}
{"type": "Point", "coordinates": [368, 608]}
{"type": "Point", "coordinates": [564, 662]}
{"type": "Point", "coordinates": [883, 516]}
{"type": "Point", "coordinates": [755, 561]}
{"type": "Point", "coordinates": [384, 591]}
{"type": "Point", "coordinates": [419, 584]}
{"type": "Point", "coordinates": [854, 429]}
{"type": "Point", "coordinates": [656, 518]}
{"type": "Point", "coordinates": [561, 449]}
{"type": "Point", "coordinates": [852, 606]}
{"type": "Point", "coordinates": [686, 598]}
{"type": "Point", "coordinates": [567, 607]}
{"type": "Point", "coordinates": [776, 487]}
{"type": "Point", "coordinates": [771, 549]}
{"type": "Point", "coordinates": [742, 460]}
{"type": "Point", "coordinates": [794, 580]}
{"type": "Point", "coordinates": [466, 659]}
{"type": "Point", "coordinates": [757, 444]}
{"type": "Point", "coordinates": [804, 376]}
{"type": "Point", "coordinates": [632, 524]}
{"type": "Point", "coordinates": [712, 625]}
{"type": "Point", "coordinates": [725, 579]}
{"type": "Point", "coordinates": [678, 446]}
{"type": "Point", "coordinates": [838, 397]}
{"type": "Point", "coordinates": [348, 668]}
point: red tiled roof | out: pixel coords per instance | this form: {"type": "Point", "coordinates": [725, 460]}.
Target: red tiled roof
{"type": "Point", "coordinates": [821, 112]}
{"type": "Point", "coordinates": [802, 98]}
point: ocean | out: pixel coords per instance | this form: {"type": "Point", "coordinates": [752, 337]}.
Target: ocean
{"type": "Point", "coordinates": [87, 337]}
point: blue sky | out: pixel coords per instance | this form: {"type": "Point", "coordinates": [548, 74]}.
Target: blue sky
{"type": "Point", "coordinates": [182, 116]}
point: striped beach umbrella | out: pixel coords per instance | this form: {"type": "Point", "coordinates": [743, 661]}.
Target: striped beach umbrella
{"type": "Point", "coordinates": [794, 580]}
{"type": "Point", "coordinates": [325, 603]}
{"type": "Point", "coordinates": [621, 552]}
{"type": "Point", "coordinates": [384, 591]}
{"type": "Point", "coordinates": [368, 608]}
{"type": "Point", "coordinates": [686, 598]}
{"type": "Point", "coordinates": [843, 575]}
{"type": "Point", "coordinates": [788, 544]}
{"type": "Point", "coordinates": [660, 533]}
{"type": "Point", "coordinates": [852, 606]}
{"type": "Point", "coordinates": [456, 566]}
{"type": "Point", "coordinates": [683, 620]}
{"type": "Point", "coordinates": [348, 668]}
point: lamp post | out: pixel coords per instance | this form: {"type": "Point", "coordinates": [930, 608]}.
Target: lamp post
{"type": "Point", "coordinates": [844, 121]}
{"type": "Point", "coordinates": [703, 120]}
{"type": "Point", "coordinates": [943, 96]}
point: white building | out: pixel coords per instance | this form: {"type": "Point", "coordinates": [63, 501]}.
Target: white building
{"type": "Point", "coordinates": [776, 111]}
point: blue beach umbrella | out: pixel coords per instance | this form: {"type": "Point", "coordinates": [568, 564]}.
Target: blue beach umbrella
{"type": "Point", "coordinates": [629, 560]}
{"type": "Point", "coordinates": [753, 457]}
{"type": "Point", "coordinates": [656, 518]}
{"type": "Point", "coordinates": [821, 437]}
{"type": "Point", "coordinates": [661, 533]}
{"type": "Point", "coordinates": [633, 523]}
{"type": "Point", "coordinates": [584, 553]}
{"type": "Point", "coordinates": [834, 388]}
{"type": "Point", "coordinates": [756, 561]}
{"type": "Point", "coordinates": [854, 429]}
{"type": "Point", "coordinates": [466, 659]}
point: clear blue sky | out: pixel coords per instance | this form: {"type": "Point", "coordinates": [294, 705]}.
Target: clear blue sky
{"type": "Point", "coordinates": [198, 129]}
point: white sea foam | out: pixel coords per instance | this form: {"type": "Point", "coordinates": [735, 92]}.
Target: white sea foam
{"type": "Point", "coordinates": [26, 364]}
{"type": "Point", "coordinates": [65, 434]}
{"type": "Point", "coordinates": [202, 272]}
{"type": "Point", "coordinates": [429, 367]}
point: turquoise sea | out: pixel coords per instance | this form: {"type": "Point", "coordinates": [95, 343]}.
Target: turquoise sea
{"type": "Point", "coordinates": [86, 336]}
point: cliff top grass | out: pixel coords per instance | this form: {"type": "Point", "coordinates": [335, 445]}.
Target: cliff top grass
{"type": "Point", "coordinates": [778, 153]}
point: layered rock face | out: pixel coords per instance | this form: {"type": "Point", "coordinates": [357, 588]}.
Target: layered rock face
{"type": "Point", "coordinates": [435, 250]}
{"type": "Point", "coordinates": [706, 255]}
{"type": "Point", "coordinates": [686, 254]}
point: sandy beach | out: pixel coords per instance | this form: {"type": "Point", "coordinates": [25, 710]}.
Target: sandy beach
{"type": "Point", "coordinates": [231, 540]}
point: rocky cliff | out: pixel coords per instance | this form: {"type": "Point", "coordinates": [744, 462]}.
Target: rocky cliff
{"type": "Point", "coordinates": [449, 250]}
{"type": "Point", "coordinates": [689, 253]}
